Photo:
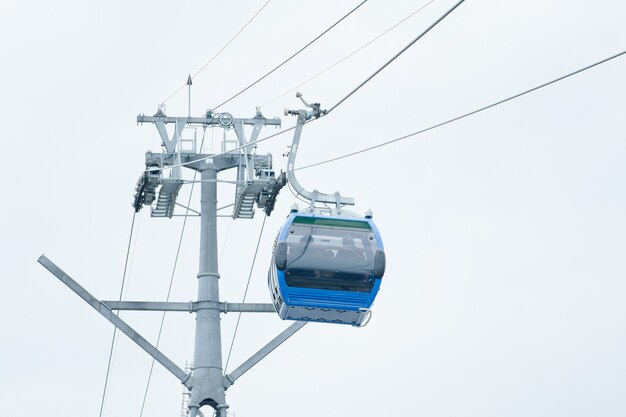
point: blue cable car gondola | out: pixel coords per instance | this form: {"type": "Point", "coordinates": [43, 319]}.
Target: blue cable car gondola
{"type": "Point", "coordinates": [327, 263]}
{"type": "Point", "coordinates": [326, 268]}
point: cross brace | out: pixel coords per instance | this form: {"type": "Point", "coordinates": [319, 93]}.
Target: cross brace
{"type": "Point", "coordinates": [191, 306]}
{"type": "Point", "coordinates": [105, 308]}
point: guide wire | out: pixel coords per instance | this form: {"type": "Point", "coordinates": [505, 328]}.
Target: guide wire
{"type": "Point", "coordinates": [108, 372]}
{"type": "Point", "coordinates": [343, 99]}
{"type": "Point", "coordinates": [350, 54]}
{"type": "Point", "coordinates": [291, 57]}
{"type": "Point", "coordinates": [395, 56]}
{"type": "Point", "coordinates": [169, 289]}
{"type": "Point", "coordinates": [218, 52]}
{"type": "Point", "coordinates": [245, 293]}
{"type": "Point", "coordinates": [454, 119]}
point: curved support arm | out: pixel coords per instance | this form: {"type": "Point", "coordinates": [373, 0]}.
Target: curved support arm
{"type": "Point", "coordinates": [314, 196]}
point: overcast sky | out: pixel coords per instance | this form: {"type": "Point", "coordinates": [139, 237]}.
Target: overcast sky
{"type": "Point", "coordinates": [505, 232]}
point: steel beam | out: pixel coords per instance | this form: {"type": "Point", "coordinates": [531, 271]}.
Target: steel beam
{"type": "Point", "coordinates": [105, 311]}
{"type": "Point", "coordinates": [266, 350]}
{"type": "Point", "coordinates": [191, 307]}
{"type": "Point", "coordinates": [142, 118]}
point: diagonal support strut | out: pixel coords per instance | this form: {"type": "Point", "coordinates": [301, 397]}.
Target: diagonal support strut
{"type": "Point", "coordinates": [230, 379]}
{"type": "Point", "coordinates": [104, 310]}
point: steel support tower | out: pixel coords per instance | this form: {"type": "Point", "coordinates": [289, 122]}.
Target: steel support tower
{"type": "Point", "coordinates": [256, 183]}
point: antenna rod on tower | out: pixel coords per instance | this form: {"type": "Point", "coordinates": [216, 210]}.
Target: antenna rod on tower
{"type": "Point", "coordinates": [189, 93]}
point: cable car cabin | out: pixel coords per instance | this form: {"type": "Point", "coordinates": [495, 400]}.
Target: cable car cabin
{"type": "Point", "coordinates": [326, 268]}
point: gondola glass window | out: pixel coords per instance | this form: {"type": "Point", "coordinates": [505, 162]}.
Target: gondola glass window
{"type": "Point", "coordinates": [330, 254]}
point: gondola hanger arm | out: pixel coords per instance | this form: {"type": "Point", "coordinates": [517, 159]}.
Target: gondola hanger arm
{"type": "Point", "coordinates": [312, 196]}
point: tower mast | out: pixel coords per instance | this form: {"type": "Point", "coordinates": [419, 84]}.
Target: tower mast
{"type": "Point", "coordinates": [207, 380]}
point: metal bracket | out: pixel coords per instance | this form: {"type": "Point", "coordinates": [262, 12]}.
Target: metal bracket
{"type": "Point", "coordinates": [254, 174]}
{"type": "Point", "coordinates": [314, 196]}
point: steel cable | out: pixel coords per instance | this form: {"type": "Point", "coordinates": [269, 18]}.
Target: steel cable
{"type": "Point", "coordinates": [245, 294]}
{"type": "Point", "coordinates": [350, 54]}
{"type": "Point", "coordinates": [396, 56]}
{"type": "Point", "coordinates": [169, 290]}
{"type": "Point", "coordinates": [218, 52]}
{"type": "Point", "coordinates": [454, 119]}
{"type": "Point", "coordinates": [291, 57]}
{"type": "Point", "coordinates": [108, 372]}
{"type": "Point", "coordinates": [343, 99]}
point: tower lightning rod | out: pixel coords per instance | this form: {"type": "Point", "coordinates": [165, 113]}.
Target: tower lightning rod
{"type": "Point", "coordinates": [189, 83]}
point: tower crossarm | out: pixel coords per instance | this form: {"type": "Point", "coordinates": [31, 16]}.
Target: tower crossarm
{"type": "Point", "coordinates": [225, 120]}
{"type": "Point", "coordinates": [256, 182]}
{"type": "Point", "coordinates": [191, 306]}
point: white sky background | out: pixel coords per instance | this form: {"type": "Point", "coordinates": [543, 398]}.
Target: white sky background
{"type": "Point", "coordinates": [505, 232]}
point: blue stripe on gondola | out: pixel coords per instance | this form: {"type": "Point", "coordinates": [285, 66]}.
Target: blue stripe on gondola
{"type": "Point", "coordinates": [307, 297]}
